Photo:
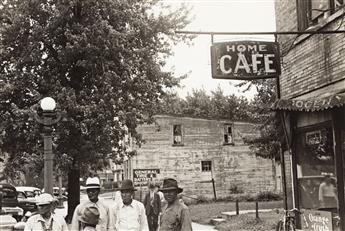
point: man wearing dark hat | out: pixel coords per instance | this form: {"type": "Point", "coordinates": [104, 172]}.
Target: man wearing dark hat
{"type": "Point", "coordinates": [175, 216]}
{"type": "Point", "coordinates": [89, 218]}
{"type": "Point", "coordinates": [152, 203]}
{"type": "Point", "coordinates": [128, 215]}
{"type": "Point", "coordinates": [92, 189]}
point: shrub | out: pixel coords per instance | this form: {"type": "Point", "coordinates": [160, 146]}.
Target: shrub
{"type": "Point", "coordinates": [235, 189]}
{"type": "Point", "coordinates": [268, 196]}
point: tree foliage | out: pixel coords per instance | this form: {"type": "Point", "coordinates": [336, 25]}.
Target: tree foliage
{"type": "Point", "coordinates": [99, 59]}
{"type": "Point", "coordinates": [271, 131]}
{"type": "Point", "coordinates": [201, 105]}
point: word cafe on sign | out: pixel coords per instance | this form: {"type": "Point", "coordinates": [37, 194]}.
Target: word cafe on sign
{"type": "Point", "coordinates": [245, 60]}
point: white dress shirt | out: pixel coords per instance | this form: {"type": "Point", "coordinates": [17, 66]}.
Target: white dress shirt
{"type": "Point", "coordinates": [38, 223]}
{"type": "Point", "coordinates": [129, 217]}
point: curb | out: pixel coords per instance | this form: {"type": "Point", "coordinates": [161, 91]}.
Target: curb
{"type": "Point", "coordinates": [233, 213]}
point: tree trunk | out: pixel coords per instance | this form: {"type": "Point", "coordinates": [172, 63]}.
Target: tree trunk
{"type": "Point", "coordinates": [73, 192]}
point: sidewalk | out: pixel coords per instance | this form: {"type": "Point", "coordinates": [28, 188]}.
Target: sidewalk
{"type": "Point", "coordinates": [199, 227]}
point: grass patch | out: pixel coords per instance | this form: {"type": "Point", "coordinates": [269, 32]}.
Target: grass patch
{"type": "Point", "coordinates": [247, 222]}
{"type": "Point", "coordinates": [203, 213]}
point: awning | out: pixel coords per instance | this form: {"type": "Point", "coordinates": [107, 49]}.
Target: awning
{"type": "Point", "coordinates": [316, 103]}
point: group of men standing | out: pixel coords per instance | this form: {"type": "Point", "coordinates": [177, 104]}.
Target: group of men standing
{"type": "Point", "coordinates": [126, 214]}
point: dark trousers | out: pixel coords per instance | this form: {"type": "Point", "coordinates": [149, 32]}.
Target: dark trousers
{"type": "Point", "coordinates": [152, 221]}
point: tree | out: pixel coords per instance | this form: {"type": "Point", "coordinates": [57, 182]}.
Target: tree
{"type": "Point", "coordinates": [201, 105]}
{"type": "Point", "coordinates": [171, 104]}
{"type": "Point", "coordinates": [271, 131]}
{"type": "Point", "coordinates": [198, 104]}
{"type": "Point", "coordinates": [99, 59]}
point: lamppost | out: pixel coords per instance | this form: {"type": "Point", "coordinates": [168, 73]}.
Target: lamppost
{"type": "Point", "coordinates": [48, 118]}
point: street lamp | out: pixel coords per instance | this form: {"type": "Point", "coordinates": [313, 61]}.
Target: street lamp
{"type": "Point", "coordinates": [48, 118]}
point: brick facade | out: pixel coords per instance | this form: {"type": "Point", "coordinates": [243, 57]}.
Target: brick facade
{"type": "Point", "coordinates": [315, 61]}
{"type": "Point", "coordinates": [313, 68]}
{"type": "Point", "coordinates": [233, 165]}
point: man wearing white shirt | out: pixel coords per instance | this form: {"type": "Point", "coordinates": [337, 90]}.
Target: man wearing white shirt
{"type": "Point", "coordinates": [92, 190]}
{"type": "Point", "coordinates": [128, 215]}
{"type": "Point", "coordinates": [45, 219]}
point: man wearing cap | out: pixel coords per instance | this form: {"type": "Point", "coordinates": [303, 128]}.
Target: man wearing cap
{"type": "Point", "coordinates": [45, 219]}
{"type": "Point", "coordinates": [92, 189]}
{"type": "Point", "coordinates": [175, 216]}
{"type": "Point", "coordinates": [128, 215]}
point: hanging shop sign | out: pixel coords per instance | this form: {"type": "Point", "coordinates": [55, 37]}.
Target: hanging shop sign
{"type": "Point", "coordinates": [141, 177]}
{"type": "Point", "coordinates": [245, 60]}
{"type": "Point", "coordinates": [315, 220]}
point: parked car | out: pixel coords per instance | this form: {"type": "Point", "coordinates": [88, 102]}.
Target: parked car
{"type": "Point", "coordinates": [19, 198]}
{"type": "Point", "coordinates": [9, 203]}
{"type": "Point", "coordinates": [27, 204]}
{"type": "Point", "coordinates": [30, 192]}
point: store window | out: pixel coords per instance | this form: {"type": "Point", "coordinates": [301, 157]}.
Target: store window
{"type": "Point", "coordinates": [177, 134]}
{"type": "Point", "coordinates": [312, 12]}
{"type": "Point", "coordinates": [206, 166]}
{"type": "Point", "coordinates": [228, 134]}
{"type": "Point", "coordinates": [316, 169]}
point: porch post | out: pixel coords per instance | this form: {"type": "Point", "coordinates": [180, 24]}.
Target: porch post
{"type": "Point", "coordinates": [337, 119]}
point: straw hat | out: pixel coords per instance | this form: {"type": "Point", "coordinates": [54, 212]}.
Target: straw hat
{"type": "Point", "coordinates": [92, 182]}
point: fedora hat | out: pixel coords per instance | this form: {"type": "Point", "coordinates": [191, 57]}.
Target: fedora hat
{"type": "Point", "coordinates": [90, 215]}
{"type": "Point", "coordinates": [170, 184]}
{"type": "Point", "coordinates": [127, 185]}
{"type": "Point", "coordinates": [92, 182]}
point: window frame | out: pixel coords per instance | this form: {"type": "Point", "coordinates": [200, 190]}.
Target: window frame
{"type": "Point", "coordinates": [301, 138]}
{"type": "Point", "coordinates": [305, 12]}
{"type": "Point", "coordinates": [174, 142]}
{"type": "Point", "coordinates": [206, 166]}
{"type": "Point", "coordinates": [226, 132]}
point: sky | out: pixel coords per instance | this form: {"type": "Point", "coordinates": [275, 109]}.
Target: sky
{"type": "Point", "coordinates": [218, 16]}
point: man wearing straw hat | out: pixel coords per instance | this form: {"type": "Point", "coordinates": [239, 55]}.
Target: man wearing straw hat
{"type": "Point", "coordinates": [176, 216]}
{"type": "Point", "coordinates": [45, 219]}
{"type": "Point", "coordinates": [92, 189]}
{"type": "Point", "coordinates": [128, 215]}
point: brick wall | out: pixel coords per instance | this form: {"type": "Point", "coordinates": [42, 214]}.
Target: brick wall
{"type": "Point", "coordinates": [233, 165]}
{"type": "Point", "coordinates": [315, 61]}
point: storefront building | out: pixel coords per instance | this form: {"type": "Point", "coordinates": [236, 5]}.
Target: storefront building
{"type": "Point", "coordinates": [311, 105]}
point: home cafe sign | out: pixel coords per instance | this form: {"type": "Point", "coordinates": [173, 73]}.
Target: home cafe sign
{"type": "Point", "coordinates": [245, 60]}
